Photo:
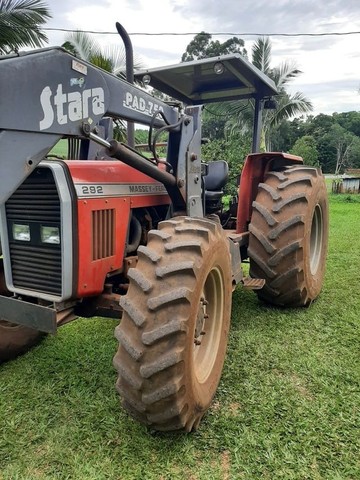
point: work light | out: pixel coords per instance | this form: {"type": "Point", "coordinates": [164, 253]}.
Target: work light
{"type": "Point", "coordinates": [21, 232]}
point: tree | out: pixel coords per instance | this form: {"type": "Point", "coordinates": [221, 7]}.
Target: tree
{"type": "Point", "coordinates": [234, 151]}
{"type": "Point", "coordinates": [241, 115]}
{"type": "Point", "coordinates": [344, 142]}
{"type": "Point", "coordinates": [111, 58]}
{"type": "Point", "coordinates": [285, 134]}
{"type": "Point", "coordinates": [349, 120]}
{"type": "Point", "coordinates": [203, 47]}
{"type": "Point", "coordinates": [20, 24]}
{"type": "Point", "coordinates": [212, 125]}
{"type": "Point", "coordinates": [305, 147]}
{"type": "Point", "coordinates": [320, 125]}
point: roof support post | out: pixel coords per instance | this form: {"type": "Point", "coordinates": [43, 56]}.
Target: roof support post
{"type": "Point", "coordinates": [257, 125]}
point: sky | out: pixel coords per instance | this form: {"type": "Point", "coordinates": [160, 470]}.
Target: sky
{"type": "Point", "coordinates": [330, 65]}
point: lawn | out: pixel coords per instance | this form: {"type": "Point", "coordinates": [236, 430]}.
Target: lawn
{"type": "Point", "coordinates": [61, 149]}
{"type": "Point", "coordinates": [288, 405]}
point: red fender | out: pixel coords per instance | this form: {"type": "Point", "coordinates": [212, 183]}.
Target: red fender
{"type": "Point", "coordinates": [255, 167]}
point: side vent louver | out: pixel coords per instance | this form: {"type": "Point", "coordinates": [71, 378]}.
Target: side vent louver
{"type": "Point", "coordinates": [103, 233]}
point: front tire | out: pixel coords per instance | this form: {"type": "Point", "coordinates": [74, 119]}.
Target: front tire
{"type": "Point", "coordinates": [288, 236]}
{"type": "Point", "coordinates": [174, 329]}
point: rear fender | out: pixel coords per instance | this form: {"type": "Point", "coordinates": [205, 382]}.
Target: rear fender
{"type": "Point", "coordinates": [255, 168]}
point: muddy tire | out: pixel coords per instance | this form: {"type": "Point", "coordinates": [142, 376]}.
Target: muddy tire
{"type": "Point", "coordinates": [288, 236]}
{"type": "Point", "coordinates": [174, 329]}
{"type": "Point", "coordinates": [14, 339]}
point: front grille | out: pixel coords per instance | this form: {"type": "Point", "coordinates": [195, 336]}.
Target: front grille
{"type": "Point", "coordinates": [35, 266]}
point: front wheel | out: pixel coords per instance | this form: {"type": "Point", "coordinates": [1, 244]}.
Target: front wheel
{"type": "Point", "coordinates": [173, 333]}
{"type": "Point", "coordinates": [288, 236]}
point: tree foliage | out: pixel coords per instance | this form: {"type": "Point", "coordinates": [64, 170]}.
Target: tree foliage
{"type": "Point", "coordinates": [338, 147]}
{"type": "Point", "coordinates": [344, 143]}
{"type": "Point", "coordinates": [348, 120]}
{"type": "Point", "coordinates": [20, 24]}
{"type": "Point", "coordinates": [287, 105]}
{"type": "Point", "coordinates": [234, 150]}
{"type": "Point", "coordinates": [82, 45]}
{"type": "Point", "coordinates": [305, 147]}
{"type": "Point", "coordinates": [202, 46]}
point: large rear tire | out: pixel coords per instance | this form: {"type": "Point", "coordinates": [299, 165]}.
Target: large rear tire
{"type": "Point", "coordinates": [14, 339]}
{"type": "Point", "coordinates": [174, 329]}
{"type": "Point", "coordinates": [288, 236]}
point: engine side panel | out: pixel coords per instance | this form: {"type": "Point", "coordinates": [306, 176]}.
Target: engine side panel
{"type": "Point", "coordinates": [107, 191]}
{"type": "Point", "coordinates": [102, 232]}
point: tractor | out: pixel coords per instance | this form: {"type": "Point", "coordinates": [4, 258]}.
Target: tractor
{"type": "Point", "coordinates": [115, 232]}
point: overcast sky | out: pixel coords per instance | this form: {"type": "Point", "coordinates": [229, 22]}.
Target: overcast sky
{"type": "Point", "coordinates": [330, 64]}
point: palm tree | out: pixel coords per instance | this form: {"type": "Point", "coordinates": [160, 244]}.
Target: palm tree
{"type": "Point", "coordinates": [20, 24]}
{"type": "Point", "coordinates": [110, 58]}
{"type": "Point", "coordinates": [287, 105]}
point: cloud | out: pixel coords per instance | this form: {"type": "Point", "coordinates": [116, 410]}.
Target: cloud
{"type": "Point", "coordinates": [260, 16]}
{"type": "Point", "coordinates": [60, 10]}
{"type": "Point", "coordinates": [331, 96]}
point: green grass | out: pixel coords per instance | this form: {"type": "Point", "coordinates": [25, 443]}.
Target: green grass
{"type": "Point", "coordinates": [60, 149]}
{"type": "Point", "coordinates": [288, 405]}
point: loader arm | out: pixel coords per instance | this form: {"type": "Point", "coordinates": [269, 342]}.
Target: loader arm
{"type": "Point", "coordinates": [49, 94]}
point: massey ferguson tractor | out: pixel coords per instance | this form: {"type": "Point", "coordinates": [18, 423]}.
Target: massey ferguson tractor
{"type": "Point", "coordinates": [115, 232]}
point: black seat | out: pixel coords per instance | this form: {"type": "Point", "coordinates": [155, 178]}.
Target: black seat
{"type": "Point", "coordinates": [214, 181]}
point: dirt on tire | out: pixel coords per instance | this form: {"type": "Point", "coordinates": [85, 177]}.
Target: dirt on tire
{"type": "Point", "coordinates": [174, 329]}
{"type": "Point", "coordinates": [288, 236]}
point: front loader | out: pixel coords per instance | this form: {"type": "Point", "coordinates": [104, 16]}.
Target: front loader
{"type": "Point", "coordinates": [113, 232]}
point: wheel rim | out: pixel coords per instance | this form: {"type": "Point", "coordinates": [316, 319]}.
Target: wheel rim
{"type": "Point", "coordinates": [208, 328]}
{"type": "Point", "coordinates": [316, 239]}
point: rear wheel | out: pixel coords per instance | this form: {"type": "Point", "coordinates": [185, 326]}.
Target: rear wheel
{"type": "Point", "coordinates": [14, 339]}
{"type": "Point", "coordinates": [173, 333]}
{"type": "Point", "coordinates": [289, 236]}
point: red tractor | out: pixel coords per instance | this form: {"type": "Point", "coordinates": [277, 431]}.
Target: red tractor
{"type": "Point", "coordinates": [115, 233]}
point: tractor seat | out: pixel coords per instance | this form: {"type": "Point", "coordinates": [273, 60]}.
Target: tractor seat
{"type": "Point", "coordinates": [214, 181]}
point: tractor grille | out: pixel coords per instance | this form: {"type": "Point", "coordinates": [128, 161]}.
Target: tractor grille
{"type": "Point", "coordinates": [35, 265]}
{"type": "Point", "coordinates": [103, 233]}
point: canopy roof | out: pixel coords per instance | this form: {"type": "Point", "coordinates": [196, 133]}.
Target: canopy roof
{"type": "Point", "coordinates": [196, 82]}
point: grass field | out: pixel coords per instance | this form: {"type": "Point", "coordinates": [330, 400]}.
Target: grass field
{"type": "Point", "coordinates": [288, 405]}
{"type": "Point", "coordinates": [61, 149]}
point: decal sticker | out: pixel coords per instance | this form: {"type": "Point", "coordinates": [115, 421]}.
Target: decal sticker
{"type": "Point", "coordinates": [119, 189]}
{"type": "Point", "coordinates": [79, 67]}
{"type": "Point", "coordinates": [139, 104]}
{"type": "Point", "coordinates": [77, 81]}
{"type": "Point", "coordinates": [65, 107]}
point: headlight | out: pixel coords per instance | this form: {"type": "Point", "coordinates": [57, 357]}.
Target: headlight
{"type": "Point", "coordinates": [21, 232]}
{"type": "Point", "coordinates": [50, 235]}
